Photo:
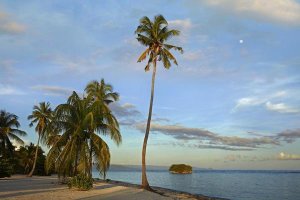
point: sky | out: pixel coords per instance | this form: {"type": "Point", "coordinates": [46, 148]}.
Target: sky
{"type": "Point", "coordinates": [233, 102]}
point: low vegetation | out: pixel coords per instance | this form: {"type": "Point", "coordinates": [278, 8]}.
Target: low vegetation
{"type": "Point", "coordinates": [81, 182]}
{"type": "Point", "coordinates": [6, 169]}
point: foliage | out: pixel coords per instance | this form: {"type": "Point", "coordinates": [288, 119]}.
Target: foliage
{"type": "Point", "coordinates": [76, 127]}
{"type": "Point", "coordinates": [24, 159]}
{"type": "Point", "coordinates": [181, 168]}
{"type": "Point", "coordinates": [9, 130]}
{"type": "Point", "coordinates": [6, 168]}
{"type": "Point", "coordinates": [41, 116]}
{"type": "Point", "coordinates": [153, 35]}
{"type": "Point", "coordinates": [81, 182]}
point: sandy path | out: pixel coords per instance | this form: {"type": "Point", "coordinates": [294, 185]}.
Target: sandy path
{"type": "Point", "coordinates": [47, 188]}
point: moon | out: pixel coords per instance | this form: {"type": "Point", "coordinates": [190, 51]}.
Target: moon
{"type": "Point", "coordinates": [241, 41]}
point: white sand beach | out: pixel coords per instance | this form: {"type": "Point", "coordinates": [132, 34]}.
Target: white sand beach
{"type": "Point", "coordinates": [37, 188]}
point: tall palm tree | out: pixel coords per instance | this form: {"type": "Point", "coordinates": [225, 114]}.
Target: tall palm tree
{"type": "Point", "coordinates": [41, 116]}
{"type": "Point", "coordinates": [101, 95]}
{"type": "Point", "coordinates": [9, 129]}
{"type": "Point", "coordinates": [153, 35]}
{"type": "Point", "coordinates": [80, 121]}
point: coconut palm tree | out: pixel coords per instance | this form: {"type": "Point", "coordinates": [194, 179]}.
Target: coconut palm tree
{"type": "Point", "coordinates": [154, 35]}
{"type": "Point", "coordinates": [101, 95]}
{"type": "Point", "coordinates": [9, 130]}
{"type": "Point", "coordinates": [80, 121]}
{"type": "Point", "coordinates": [26, 157]}
{"type": "Point", "coordinates": [41, 116]}
{"type": "Point", "coordinates": [101, 91]}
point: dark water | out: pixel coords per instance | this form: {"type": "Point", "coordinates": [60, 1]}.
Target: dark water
{"type": "Point", "coordinates": [236, 185]}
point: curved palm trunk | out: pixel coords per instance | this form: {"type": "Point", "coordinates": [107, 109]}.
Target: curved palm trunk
{"type": "Point", "coordinates": [145, 183]}
{"type": "Point", "coordinates": [35, 158]}
{"type": "Point", "coordinates": [91, 159]}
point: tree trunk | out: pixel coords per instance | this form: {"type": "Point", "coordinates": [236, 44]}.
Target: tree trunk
{"type": "Point", "coordinates": [145, 183]}
{"type": "Point", "coordinates": [35, 158]}
{"type": "Point", "coordinates": [91, 158]}
{"type": "Point", "coordinates": [76, 162]}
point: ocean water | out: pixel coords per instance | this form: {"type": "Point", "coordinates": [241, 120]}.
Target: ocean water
{"type": "Point", "coordinates": [229, 184]}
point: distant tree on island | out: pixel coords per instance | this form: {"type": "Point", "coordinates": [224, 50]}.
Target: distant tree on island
{"type": "Point", "coordinates": [181, 169]}
{"type": "Point", "coordinates": [153, 35]}
{"type": "Point", "coordinates": [41, 116]}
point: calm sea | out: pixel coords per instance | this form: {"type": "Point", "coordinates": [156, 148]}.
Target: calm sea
{"type": "Point", "coordinates": [230, 184]}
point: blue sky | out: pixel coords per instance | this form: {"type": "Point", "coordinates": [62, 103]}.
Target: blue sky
{"type": "Point", "coordinates": [232, 103]}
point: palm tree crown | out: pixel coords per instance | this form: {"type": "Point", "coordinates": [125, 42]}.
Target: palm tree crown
{"type": "Point", "coordinates": [154, 35]}
{"type": "Point", "coordinates": [41, 116]}
{"type": "Point", "coordinates": [101, 91]}
{"type": "Point", "coordinates": [9, 130]}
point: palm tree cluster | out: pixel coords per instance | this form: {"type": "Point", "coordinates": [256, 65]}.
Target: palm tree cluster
{"type": "Point", "coordinates": [75, 129]}
{"type": "Point", "coordinates": [72, 131]}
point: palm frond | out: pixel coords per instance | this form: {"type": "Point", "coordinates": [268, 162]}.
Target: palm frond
{"type": "Point", "coordinates": [170, 56]}
{"type": "Point", "coordinates": [144, 40]}
{"type": "Point", "coordinates": [168, 46]}
{"type": "Point", "coordinates": [143, 55]}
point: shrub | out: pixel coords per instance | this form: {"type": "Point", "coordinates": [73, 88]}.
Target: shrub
{"type": "Point", "coordinates": [6, 168]}
{"type": "Point", "coordinates": [81, 182]}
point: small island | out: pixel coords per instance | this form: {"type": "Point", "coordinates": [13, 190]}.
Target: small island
{"type": "Point", "coordinates": [180, 169]}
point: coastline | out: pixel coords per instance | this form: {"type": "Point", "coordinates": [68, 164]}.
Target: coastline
{"type": "Point", "coordinates": [174, 194]}
{"type": "Point", "coordinates": [47, 187]}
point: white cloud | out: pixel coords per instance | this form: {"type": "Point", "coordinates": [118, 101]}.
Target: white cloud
{"type": "Point", "coordinates": [7, 26]}
{"type": "Point", "coordinates": [286, 156]}
{"type": "Point", "coordinates": [53, 90]}
{"type": "Point", "coordinates": [191, 56]}
{"type": "Point", "coordinates": [282, 11]}
{"type": "Point", "coordinates": [9, 90]}
{"type": "Point", "coordinates": [248, 158]}
{"type": "Point", "coordinates": [259, 100]}
{"type": "Point", "coordinates": [18, 145]}
{"type": "Point", "coordinates": [78, 64]}
{"type": "Point", "coordinates": [281, 108]}
{"type": "Point", "coordinates": [249, 101]}
{"type": "Point", "coordinates": [184, 26]}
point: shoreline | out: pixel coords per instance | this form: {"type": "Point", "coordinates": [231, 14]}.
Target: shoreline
{"type": "Point", "coordinates": [175, 194]}
{"type": "Point", "coordinates": [48, 187]}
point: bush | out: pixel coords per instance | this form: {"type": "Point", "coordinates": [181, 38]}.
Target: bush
{"type": "Point", "coordinates": [6, 168]}
{"type": "Point", "coordinates": [81, 182]}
